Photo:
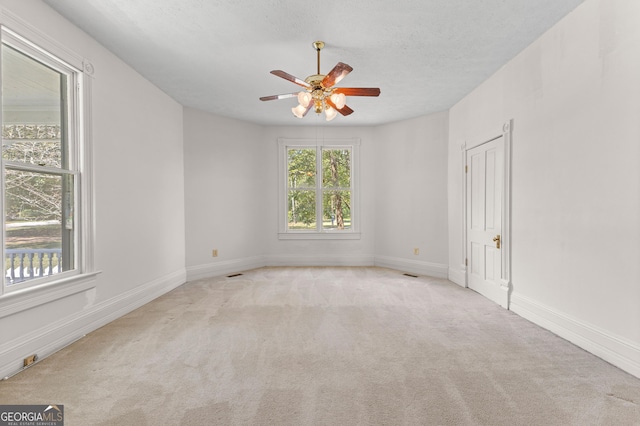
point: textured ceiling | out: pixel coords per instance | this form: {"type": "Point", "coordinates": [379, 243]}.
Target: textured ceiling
{"type": "Point", "coordinates": [216, 55]}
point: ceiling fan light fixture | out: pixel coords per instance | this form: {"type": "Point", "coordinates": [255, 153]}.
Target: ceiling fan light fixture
{"type": "Point", "coordinates": [299, 111]}
{"type": "Point", "coordinates": [304, 98]}
{"type": "Point", "coordinates": [319, 92]}
{"type": "Point", "coordinates": [339, 100]}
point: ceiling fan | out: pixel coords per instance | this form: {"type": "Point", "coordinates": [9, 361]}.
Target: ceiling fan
{"type": "Point", "coordinates": [320, 93]}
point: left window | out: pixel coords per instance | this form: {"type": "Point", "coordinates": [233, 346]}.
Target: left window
{"type": "Point", "coordinates": [41, 136]}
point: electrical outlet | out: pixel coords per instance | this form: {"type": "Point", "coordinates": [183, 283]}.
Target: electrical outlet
{"type": "Point", "coordinates": [214, 253]}
{"type": "Point", "coordinates": [30, 360]}
{"type": "Point", "coordinates": [416, 251]}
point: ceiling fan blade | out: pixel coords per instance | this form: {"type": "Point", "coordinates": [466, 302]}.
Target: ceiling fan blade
{"type": "Point", "coordinates": [336, 74]}
{"type": "Point", "coordinates": [358, 91]}
{"type": "Point", "coordinates": [274, 97]}
{"type": "Point", "coordinates": [291, 78]}
{"type": "Point", "coordinates": [345, 110]}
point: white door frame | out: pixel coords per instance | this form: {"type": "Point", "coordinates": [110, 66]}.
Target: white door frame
{"type": "Point", "coordinates": [505, 275]}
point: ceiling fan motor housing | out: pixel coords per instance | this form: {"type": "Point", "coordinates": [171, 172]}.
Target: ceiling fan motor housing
{"type": "Point", "coordinates": [318, 92]}
{"type": "Point", "coordinates": [315, 80]}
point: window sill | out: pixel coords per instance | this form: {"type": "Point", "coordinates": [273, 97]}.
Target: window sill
{"type": "Point", "coordinates": [21, 300]}
{"type": "Point", "coordinates": [319, 236]}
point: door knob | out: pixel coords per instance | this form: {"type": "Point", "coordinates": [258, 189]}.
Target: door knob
{"type": "Point", "coordinates": [496, 240]}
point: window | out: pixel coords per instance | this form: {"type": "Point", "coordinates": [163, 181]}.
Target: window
{"type": "Point", "coordinates": [41, 165]}
{"type": "Point", "coordinates": [319, 194]}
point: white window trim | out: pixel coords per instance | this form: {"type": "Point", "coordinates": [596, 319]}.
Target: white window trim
{"type": "Point", "coordinates": [283, 232]}
{"type": "Point", "coordinates": [20, 298]}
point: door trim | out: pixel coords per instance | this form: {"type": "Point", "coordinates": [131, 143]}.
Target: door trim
{"type": "Point", "coordinates": [503, 295]}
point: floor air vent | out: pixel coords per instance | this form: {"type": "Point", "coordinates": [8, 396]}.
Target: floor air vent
{"type": "Point", "coordinates": [233, 275]}
{"type": "Point", "coordinates": [410, 275]}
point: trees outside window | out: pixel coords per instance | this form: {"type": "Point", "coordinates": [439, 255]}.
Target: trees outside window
{"type": "Point", "coordinates": [319, 187]}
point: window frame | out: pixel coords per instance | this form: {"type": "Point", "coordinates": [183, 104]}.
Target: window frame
{"type": "Point", "coordinates": [284, 233]}
{"type": "Point", "coordinates": [30, 293]}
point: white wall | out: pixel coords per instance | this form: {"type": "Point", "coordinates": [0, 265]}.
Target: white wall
{"type": "Point", "coordinates": [226, 163]}
{"type": "Point", "coordinates": [574, 96]}
{"type": "Point", "coordinates": [139, 201]}
{"type": "Point", "coordinates": [411, 195]}
{"type": "Point", "coordinates": [231, 177]}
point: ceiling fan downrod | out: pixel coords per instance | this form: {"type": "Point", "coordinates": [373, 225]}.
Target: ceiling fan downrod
{"type": "Point", "coordinates": [318, 45]}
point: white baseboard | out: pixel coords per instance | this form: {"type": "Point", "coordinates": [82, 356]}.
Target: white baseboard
{"type": "Point", "coordinates": [224, 267]}
{"type": "Point", "coordinates": [619, 351]}
{"type": "Point", "coordinates": [55, 336]}
{"type": "Point", "coordinates": [319, 260]}
{"type": "Point", "coordinates": [458, 276]}
{"type": "Point", "coordinates": [437, 270]}
{"type": "Point", "coordinates": [238, 265]}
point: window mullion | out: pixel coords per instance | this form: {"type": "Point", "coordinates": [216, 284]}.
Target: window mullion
{"type": "Point", "coordinates": [319, 189]}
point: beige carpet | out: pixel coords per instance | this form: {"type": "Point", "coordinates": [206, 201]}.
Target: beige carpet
{"type": "Point", "coordinates": [326, 346]}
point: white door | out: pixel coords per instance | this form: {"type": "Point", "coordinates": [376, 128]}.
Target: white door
{"type": "Point", "coordinates": [484, 172]}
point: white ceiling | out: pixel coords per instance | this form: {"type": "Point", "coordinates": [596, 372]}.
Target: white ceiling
{"type": "Point", "coordinates": [216, 55]}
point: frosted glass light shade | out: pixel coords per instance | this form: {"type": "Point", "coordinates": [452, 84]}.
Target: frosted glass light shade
{"type": "Point", "coordinates": [330, 113]}
{"type": "Point", "coordinates": [298, 111]}
{"type": "Point", "coordinates": [339, 100]}
{"type": "Point", "coordinates": [304, 98]}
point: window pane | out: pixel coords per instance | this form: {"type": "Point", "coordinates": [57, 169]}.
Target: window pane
{"type": "Point", "coordinates": [33, 105]}
{"type": "Point", "coordinates": [336, 168]}
{"type": "Point", "coordinates": [302, 209]}
{"type": "Point", "coordinates": [336, 206]}
{"type": "Point", "coordinates": [301, 168]}
{"type": "Point", "coordinates": [38, 224]}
